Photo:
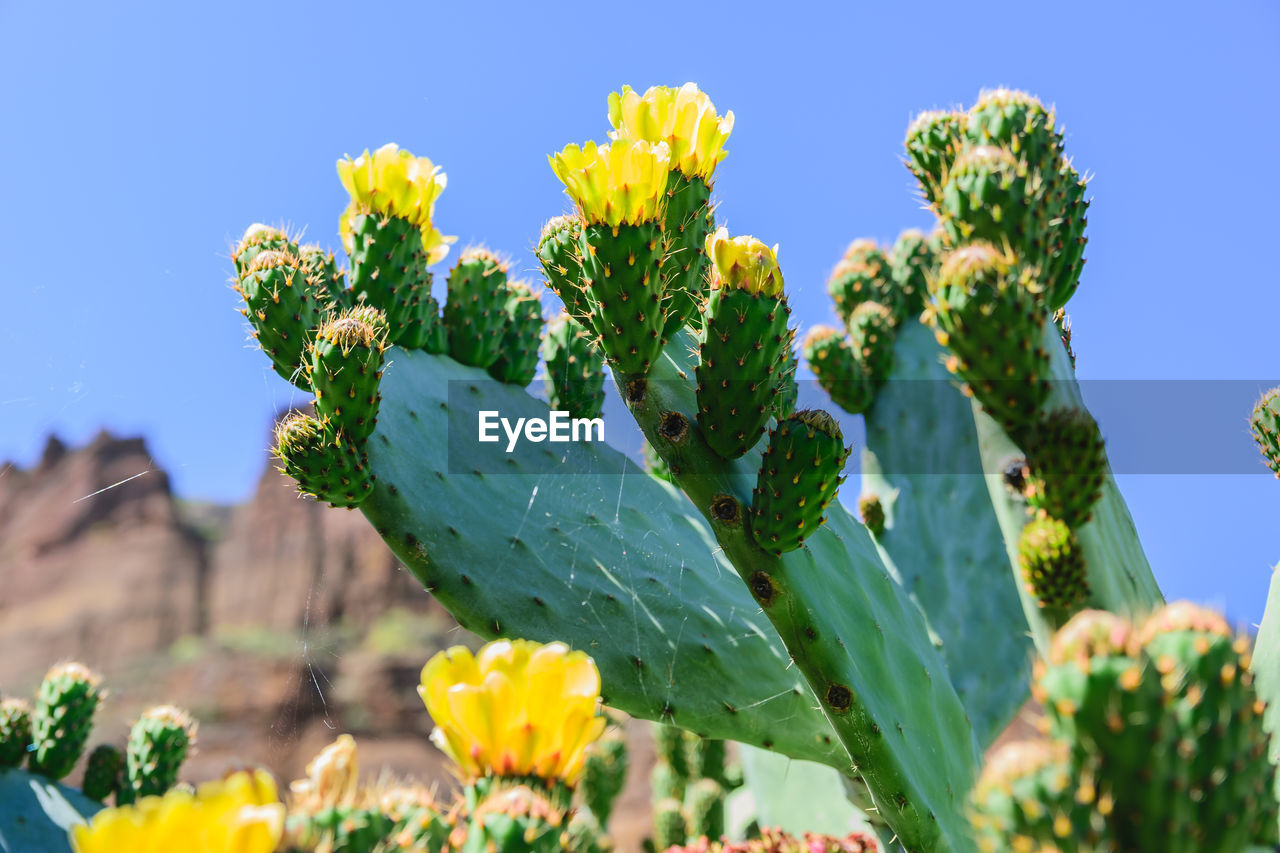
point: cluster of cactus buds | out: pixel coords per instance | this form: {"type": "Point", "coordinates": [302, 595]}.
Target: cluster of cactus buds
{"type": "Point", "coordinates": [1158, 743]}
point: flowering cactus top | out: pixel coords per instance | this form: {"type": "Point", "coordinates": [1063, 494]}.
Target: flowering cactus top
{"type": "Point", "coordinates": [683, 118]}
{"type": "Point", "coordinates": [240, 814]}
{"type": "Point", "coordinates": [516, 708]}
{"type": "Point", "coordinates": [744, 262]}
{"type": "Point", "coordinates": [620, 184]}
{"type": "Point", "coordinates": [392, 182]}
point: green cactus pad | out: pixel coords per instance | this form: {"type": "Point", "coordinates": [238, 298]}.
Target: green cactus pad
{"type": "Point", "coordinates": [348, 829]}
{"type": "Point", "coordinates": [283, 308]}
{"type": "Point", "coordinates": [15, 731]}
{"type": "Point", "coordinates": [36, 815]}
{"type": "Point", "coordinates": [517, 362]}
{"type": "Point", "coordinates": [933, 142]}
{"type": "Point", "coordinates": [987, 316]}
{"type": "Point", "coordinates": [706, 809]}
{"type": "Point", "coordinates": [325, 464]}
{"type": "Point", "coordinates": [1026, 799]}
{"type": "Point", "coordinates": [1068, 464]}
{"type": "Point", "coordinates": [742, 350]}
{"type": "Point", "coordinates": [941, 535]}
{"type": "Point", "coordinates": [620, 274]}
{"type": "Point", "coordinates": [560, 254]}
{"type": "Point", "coordinates": [63, 718]}
{"type": "Point", "coordinates": [1061, 240]}
{"type": "Point", "coordinates": [575, 369]}
{"type": "Point", "coordinates": [103, 772]}
{"type": "Point", "coordinates": [260, 238]}
{"type": "Point", "coordinates": [1052, 565]}
{"type": "Point", "coordinates": [346, 364]}
{"type": "Point", "coordinates": [864, 275]}
{"type": "Point", "coordinates": [1265, 424]}
{"type": "Point", "coordinates": [387, 261]}
{"type": "Point", "coordinates": [687, 221]}
{"type": "Point", "coordinates": [799, 476]}
{"type": "Point", "coordinates": [327, 281]}
{"type": "Point", "coordinates": [838, 370]}
{"type": "Point", "coordinates": [158, 745]}
{"type": "Point", "coordinates": [912, 261]}
{"type": "Point", "coordinates": [871, 330]}
{"type": "Point", "coordinates": [475, 311]}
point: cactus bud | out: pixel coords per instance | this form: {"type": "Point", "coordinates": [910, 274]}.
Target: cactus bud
{"type": "Point", "coordinates": [933, 141]}
{"type": "Point", "coordinates": [475, 309]}
{"type": "Point", "coordinates": [1265, 424]}
{"type": "Point", "coordinates": [63, 718]}
{"type": "Point", "coordinates": [912, 261]}
{"type": "Point", "coordinates": [259, 238]}
{"type": "Point", "coordinates": [871, 333]}
{"type": "Point", "coordinates": [15, 732]}
{"type": "Point", "coordinates": [158, 744]}
{"type": "Point", "coordinates": [799, 475]}
{"type": "Point", "coordinates": [323, 462]}
{"type": "Point", "coordinates": [283, 307]}
{"type": "Point", "coordinates": [872, 512]}
{"type": "Point", "coordinates": [1052, 564]}
{"type": "Point", "coordinates": [840, 373]}
{"type": "Point", "coordinates": [346, 366]}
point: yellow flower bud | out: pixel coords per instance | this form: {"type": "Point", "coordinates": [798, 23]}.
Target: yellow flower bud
{"type": "Point", "coordinates": [392, 182]}
{"type": "Point", "coordinates": [744, 262]}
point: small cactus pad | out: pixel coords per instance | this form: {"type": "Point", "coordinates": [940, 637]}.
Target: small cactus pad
{"type": "Point", "coordinates": [670, 826]}
{"type": "Point", "coordinates": [575, 369]}
{"type": "Point", "coordinates": [1052, 565]}
{"type": "Point", "coordinates": [912, 261]}
{"type": "Point", "coordinates": [1026, 799]}
{"type": "Point", "coordinates": [475, 311]}
{"type": "Point", "coordinates": [984, 311]}
{"type": "Point", "coordinates": [283, 308]}
{"type": "Point", "coordinates": [517, 362]}
{"type": "Point", "coordinates": [424, 329]}
{"type": "Point", "coordinates": [933, 142]}
{"type": "Point", "coordinates": [986, 197]}
{"type": "Point", "coordinates": [798, 477]}
{"type": "Point", "coordinates": [346, 364]}
{"type": "Point", "coordinates": [744, 344]}
{"type": "Point", "coordinates": [620, 272]}
{"type": "Point", "coordinates": [687, 221]}
{"type": "Point", "coordinates": [259, 238]}
{"type": "Point", "coordinates": [387, 261]}
{"type": "Point", "coordinates": [1020, 123]}
{"type": "Point", "coordinates": [515, 820]}
{"type": "Point", "coordinates": [839, 371]}
{"type": "Point", "coordinates": [158, 744]}
{"type": "Point", "coordinates": [103, 772]}
{"type": "Point", "coordinates": [327, 281]}
{"type": "Point", "coordinates": [1068, 464]}
{"type": "Point", "coordinates": [325, 464]}
{"type": "Point", "coordinates": [560, 255]}
{"type": "Point", "coordinates": [864, 275]}
{"type": "Point", "coordinates": [63, 718]}
{"type": "Point", "coordinates": [706, 809]}
{"type": "Point", "coordinates": [15, 731]}
{"type": "Point", "coordinates": [1265, 423]}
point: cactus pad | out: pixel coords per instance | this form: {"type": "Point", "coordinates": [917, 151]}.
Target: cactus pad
{"type": "Point", "coordinates": [933, 142]}
{"type": "Point", "coordinates": [575, 369]}
{"type": "Point", "coordinates": [158, 745]}
{"type": "Point", "coordinates": [686, 223]}
{"type": "Point", "coordinates": [517, 361]}
{"type": "Point", "coordinates": [103, 772]}
{"type": "Point", "coordinates": [620, 274]}
{"type": "Point", "coordinates": [325, 464]}
{"type": "Point", "coordinates": [346, 364]}
{"type": "Point", "coordinates": [1265, 423]}
{"type": "Point", "coordinates": [1068, 466]}
{"type": "Point", "coordinates": [839, 371]}
{"type": "Point", "coordinates": [387, 262]}
{"type": "Point", "coordinates": [799, 475]}
{"type": "Point", "coordinates": [283, 308]}
{"type": "Point", "coordinates": [475, 311]}
{"type": "Point", "coordinates": [1052, 565]}
{"type": "Point", "coordinates": [15, 732]}
{"type": "Point", "coordinates": [63, 718]}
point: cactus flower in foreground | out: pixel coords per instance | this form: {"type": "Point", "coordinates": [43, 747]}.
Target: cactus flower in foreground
{"type": "Point", "coordinates": [623, 183]}
{"type": "Point", "coordinates": [684, 118]}
{"type": "Point", "coordinates": [393, 183]}
{"type": "Point", "coordinates": [515, 708]}
{"type": "Point", "coordinates": [239, 814]}
{"type": "Point", "coordinates": [744, 262]}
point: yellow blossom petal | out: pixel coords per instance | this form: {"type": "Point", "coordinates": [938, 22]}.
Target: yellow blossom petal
{"type": "Point", "coordinates": [744, 262]}
{"type": "Point", "coordinates": [684, 118]}
{"type": "Point", "coordinates": [622, 183]}
{"type": "Point", "coordinates": [392, 182]}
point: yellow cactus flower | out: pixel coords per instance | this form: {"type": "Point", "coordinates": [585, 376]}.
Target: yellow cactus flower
{"type": "Point", "coordinates": [623, 183]}
{"type": "Point", "coordinates": [239, 814]}
{"type": "Point", "coordinates": [743, 262]}
{"type": "Point", "coordinates": [683, 118]}
{"type": "Point", "coordinates": [332, 777]}
{"type": "Point", "coordinates": [392, 182]}
{"type": "Point", "coordinates": [516, 708]}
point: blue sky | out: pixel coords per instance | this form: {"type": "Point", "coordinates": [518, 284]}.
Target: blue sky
{"type": "Point", "coordinates": [140, 139]}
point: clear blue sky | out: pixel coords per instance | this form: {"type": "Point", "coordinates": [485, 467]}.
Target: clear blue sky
{"type": "Point", "coordinates": [138, 140]}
